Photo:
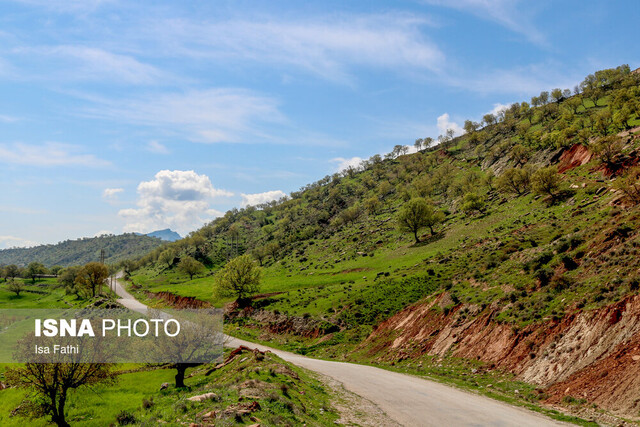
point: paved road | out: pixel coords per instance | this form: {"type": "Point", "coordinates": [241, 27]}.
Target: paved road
{"type": "Point", "coordinates": [408, 400]}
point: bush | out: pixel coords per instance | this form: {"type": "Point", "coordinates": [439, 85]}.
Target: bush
{"type": "Point", "coordinates": [125, 418]}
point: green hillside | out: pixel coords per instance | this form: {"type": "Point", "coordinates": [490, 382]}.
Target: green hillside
{"type": "Point", "coordinates": [337, 239]}
{"type": "Point", "coordinates": [82, 251]}
{"type": "Point", "coordinates": [539, 227]}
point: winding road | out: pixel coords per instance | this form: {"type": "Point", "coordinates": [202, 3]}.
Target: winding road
{"type": "Point", "coordinates": [406, 399]}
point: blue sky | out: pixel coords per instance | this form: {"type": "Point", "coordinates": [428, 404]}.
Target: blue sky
{"type": "Point", "coordinates": [134, 116]}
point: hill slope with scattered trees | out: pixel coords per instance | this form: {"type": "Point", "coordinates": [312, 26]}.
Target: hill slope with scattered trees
{"type": "Point", "coordinates": [506, 248]}
{"type": "Point", "coordinates": [82, 251]}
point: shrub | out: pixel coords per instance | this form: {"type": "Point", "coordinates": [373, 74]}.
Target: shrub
{"type": "Point", "coordinates": [125, 418]}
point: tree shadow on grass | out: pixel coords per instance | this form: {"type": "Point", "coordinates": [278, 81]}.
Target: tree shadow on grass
{"type": "Point", "coordinates": [429, 239]}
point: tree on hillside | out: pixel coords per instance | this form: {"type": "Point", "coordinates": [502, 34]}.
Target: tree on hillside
{"type": "Point", "coordinates": [51, 382]}
{"type": "Point", "coordinates": [15, 286]}
{"type": "Point", "coordinates": [418, 144]}
{"type": "Point", "coordinates": [473, 202]}
{"type": "Point", "coordinates": [190, 266]}
{"type": "Point", "coordinates": [166, 257]}
{"type": "Point", "coordinates": [519, 154]}
{"type": "Point", "coordinates": [546, 181]}
{"type": "Point", "coordinates": [372, 205]}
{"type": "Point", "coordinates": [416, 214]}
{"type": "Point", "coordinates": [608, 149]}
{"type": "Point", "coordinates": [514, 180]}
{"type": "Point", "coordinates": [260, 254]}
{"type": "Point", "coordinates": [273, 249]}
{"type": "Point", "coordinates": [67, 279]}
{"type": "Point", "coordinates": [630, 186]}
{"type": "Point", "coordinates": [91, 277]}
{"type": "Point", "coordinates": [35, 269]}
{"type": "Point", "coordinates": [239, 278]}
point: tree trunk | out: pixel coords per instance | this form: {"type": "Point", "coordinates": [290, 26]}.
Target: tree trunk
{"type": "Point", "coordinates": [182, 368]}
{"type": "Point", "coordinates": [415, 233]}
{"type": "Point", "coordinates": [58, 413]}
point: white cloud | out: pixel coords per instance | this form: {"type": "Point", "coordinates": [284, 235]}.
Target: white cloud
{"type": "Point", "coordinates": [103, 233]}
{"type": "Point", "coordinates": [90, 63]}
{"type": "Point", "coordinates": [259, 198]}
{"type": "Point", "coordinates": [445, 123]}
{"type": "Point", "coordinates": [326, 47]}
{"type": "Point", "coordinates": [343, 164]}
{"type": "Point", "coordinates": [504, 12]}
{"type": "Point", "coordinates": [180, 200]}
{"type": "Point", "coordinates": [15, 242]}
{"type": "Point", "coordinates": [498, 108]}
{"type": "Point", "coordinates": [213, 115]}
{"type": "Point", "coordinates": [111, 193]}
{"type": "Point", "coordinates": [157, 147]}
{"type": "Point", "coordinates": [48, 154]}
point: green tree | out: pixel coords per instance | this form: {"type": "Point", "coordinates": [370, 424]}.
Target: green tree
{"type": "Point", "coordinates": [416, 214]}
{"type": "Point", "coordinates": [166, 257]}
{"type": "Point", "coordinates": [260, 254]}
{"type": "Point", "coordinates": [91, 277]}
{"type": "Point", "coordinates": [519, 154]}
{"type": "Point", "coordinates": [35, 269]}
{"type": "Point", "coordinates": [239, 278]}
{"type": "Point", "coordinates": [473, 202]}
{"type": "Point", "coordinates": [514, 180]}
{"type": "Point", "coordinates": [630, 186]}
{"type": "Point", "coordinates": [608, 149]}
{"type": "Point", "coordinates": [52, 382]}
{"type": "Point", "coordinates": [67, 279]}
{"type": "Point", "coordinates": [15, 286]}
{"type": "Point", "coordinates": [190, 266]}
{"type": "Point", "coordinates": [546, 181]}
{"type": "Point", "coordinates": [372, 205]}
{"type": "Point", "coordinates": [11, 271]}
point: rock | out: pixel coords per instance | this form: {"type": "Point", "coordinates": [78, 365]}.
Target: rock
{"type": "Point", "coordinates": [635, 358]}
{"type": "Point", "coordinates": [209, 415]}
{"type": "Point", "coordinates": [203, 397]}
{"type": "Point", "coordinates": [164, 386]}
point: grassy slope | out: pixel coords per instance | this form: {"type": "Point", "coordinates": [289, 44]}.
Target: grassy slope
{"type": "Point", "coordinates": [286, 395]}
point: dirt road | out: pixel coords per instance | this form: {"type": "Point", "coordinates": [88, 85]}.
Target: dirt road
{"type": "Point", "coordinates": [408, 400]}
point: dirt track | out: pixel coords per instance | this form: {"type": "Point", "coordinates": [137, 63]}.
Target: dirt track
{"type": "Point", "coordinates": [408, 400]}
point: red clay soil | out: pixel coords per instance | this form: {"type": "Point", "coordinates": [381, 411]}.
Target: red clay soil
{"type": "Point", "coordinates": [590, 354]}
{"type": "Point", "coordinates": [178, 301]}
{"type": "Point", "coordinates": [575, 156]}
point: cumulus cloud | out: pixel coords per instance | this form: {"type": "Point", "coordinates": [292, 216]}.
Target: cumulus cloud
{"type": "Point", "coordinates": [157, 147]}
{"type": "Point", "coordinates": [180, 200]}
{"type": "Point", "coordinates": [48, 154]}
{"type": "Point", "coordinates": [344, 164]}
{"type": "Point", "coordinates": [445, 123]}
{"type": "Point", "coordinates": [259, 198]}
{"type": "Point", "coordinates": [15, 242]}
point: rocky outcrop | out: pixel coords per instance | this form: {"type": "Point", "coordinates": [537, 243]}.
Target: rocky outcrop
{"type": "Point", "coordinates": [589, 354]}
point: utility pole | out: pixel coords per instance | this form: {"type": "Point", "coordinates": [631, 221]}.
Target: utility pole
{"type": "Point", "coordinates": [101, 262]}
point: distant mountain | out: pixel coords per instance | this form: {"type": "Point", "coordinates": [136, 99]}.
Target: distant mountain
{"type": "Point", "coordinates": [166, 234]}
{"type": "Point", "coordinates": [83, 250]}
